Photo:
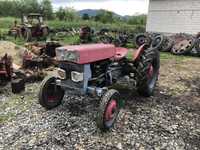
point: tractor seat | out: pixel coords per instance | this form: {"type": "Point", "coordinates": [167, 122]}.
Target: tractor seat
{"type": "Point", "coordinates": [120, 53]}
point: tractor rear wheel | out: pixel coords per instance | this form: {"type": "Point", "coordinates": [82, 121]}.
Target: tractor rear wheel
{"type": "Point", "coordinates": [148, 71]}
{"type": "Point", "coordinates": [27, 35]}
{"type": "Point", "coordinates": [108, 110]}
{"type": "Point", "coordinates": [45, 32]}
{"type": "Point", "coordinates": [50, 95]}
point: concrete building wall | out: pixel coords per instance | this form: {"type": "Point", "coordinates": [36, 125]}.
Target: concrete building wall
{"type": "Point", "coordinates": [174, 16]}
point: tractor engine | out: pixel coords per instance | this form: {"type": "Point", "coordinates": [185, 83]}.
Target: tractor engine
{"type": "Point", "coordinates": [105, 73]}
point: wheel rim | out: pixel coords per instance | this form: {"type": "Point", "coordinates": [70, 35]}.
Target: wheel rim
{"type": "Point", "coordinates": [51, 99]}
{"type": "Point", "coordinates": [52, 96]}
{"type": "Point", "coordinates": [150, 71]}
{"type": "Point", "coordinates": [152, 75]}
{"type": "Point", "coordinates": [110, 113]}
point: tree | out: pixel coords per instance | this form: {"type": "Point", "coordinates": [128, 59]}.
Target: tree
{"type": "Point", "coordinates": [137, 20]}
{"type": "Point", "coordinates": [47, 9]}
{"type": "Point", "coordinates": [18, 7]}
{"type": "Point", "coordinates": [71, 14]}
{"type": "Point", "coordinates": [60, 14]}
{"type": "Point", "coordinates": [85, 17]}
{"type": "Point", "coordinates": [105, 16]}
{"type": "Point", "coordinates": [67, 14]}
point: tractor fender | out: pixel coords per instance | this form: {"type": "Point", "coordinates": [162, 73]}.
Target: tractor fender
{"type": "Point", "coordinates": [137, 54]}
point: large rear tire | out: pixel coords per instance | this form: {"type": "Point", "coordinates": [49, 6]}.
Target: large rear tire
{"type": "Point", "coordinates": [45, 32]}
{"type": "Point", "coordinates": [148, 72]}
{"type": "Point", "coordinates": [27, 35]}
{"type": "Point", "coordinates": [108, 110]}
{"type": "Point", "coordinates": [50, 95]}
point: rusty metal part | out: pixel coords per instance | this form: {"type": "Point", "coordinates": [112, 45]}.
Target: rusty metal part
{"type": "Point", "coordinates": [183, 47]}
{"type": "Point", "coordinates": [17, 85]}
{"type": "Point", "coordinates": [50, 48]}
{"type": "Point", "coordinates": [167, 44]}
{"type": "Point", "coordinates": [6, 68]}
{"type": "Point", "coordinates": [197, 46]}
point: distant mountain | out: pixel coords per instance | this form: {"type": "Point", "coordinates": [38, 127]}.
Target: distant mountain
{"type": "Point", "coordinates": [94, 12]}
{"type": "Point", "coordinates": [90, 12]}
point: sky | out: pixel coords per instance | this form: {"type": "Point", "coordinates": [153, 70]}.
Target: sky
{"type": "Point", "coordinates": [121, 7]}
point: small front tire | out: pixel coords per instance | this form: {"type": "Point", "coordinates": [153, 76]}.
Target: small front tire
{"type": "Point", "coordinates": [50, 95]}
{"type": "Point", "coordinates": [108, 110]}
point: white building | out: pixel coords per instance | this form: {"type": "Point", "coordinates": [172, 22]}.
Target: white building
{"type": "Point", "coordinates": [174, 16]}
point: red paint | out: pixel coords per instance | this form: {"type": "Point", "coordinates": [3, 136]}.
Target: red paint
{"type": "Point", "coordinates": [137, 54]}
{"type": "Point", "coordinates": [150, 71]}
{"type": "Point", "coordinates": [120, 53]}
{"type": "Point", "coordinates": [51, 98]}
{"type": "Point", "coordinates": [110, 110]}
{"type": "Point", "coordinates": [3, 72]}
{"type": "Point", "coordinates": [92, 52]}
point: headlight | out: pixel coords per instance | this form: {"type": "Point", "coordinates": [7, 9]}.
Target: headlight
{"type": "Point", "coordinates": [76, 76]}
{"type": "Point", "coordinates": [66, 55]}
{"type": "Point", "coordinates": [61, 73]}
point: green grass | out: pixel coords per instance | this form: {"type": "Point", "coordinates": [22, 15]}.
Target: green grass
{"type": "Point", "coordinates": [168, 56]}
{"type": "Point", "coordinates": [93, 24]}
{"type": "Point", "coordinates": [7, 22]}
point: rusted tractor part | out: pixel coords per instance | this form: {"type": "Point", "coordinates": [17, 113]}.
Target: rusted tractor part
{"type": "Point", "coordinates": [34, 75]}
{"type": "Point", "coordinates": [167, 45]}
{"type": "Point", "coordinates": [33, 26]}
{"type": "Point", "coordinates": [141, 39]}
{"type": "Point", "coordinates": [197, 46]}
{"type": "Point", "coordinates": [6, 69]}
{"type": "Point", "coordinates": [85, 34]}
{"type": "Point", "coordinates": [15, 30]}
{"type": "Point", "coordinates": [122, 40]}
{"type": "Point", "coordinates": [26, 34]}
{"type": "Point", "coordinates": [106, 39]}
{"type": "Point", "coordinates": [27, 58]}
{"type": "Point", "coordinates": [30, 61]}
{"type": "Point", "coordinates": [50, 48]}
{"type": "Point", "coordinates": [17, 85]}
{"type": "Point", "coordinates": [180, 37]}
{"type": "Point", "coordinates": [35, 48]}
{"type": "Point", "coordinates": [183, 47]}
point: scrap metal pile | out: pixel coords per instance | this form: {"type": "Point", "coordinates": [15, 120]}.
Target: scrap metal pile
{"type": "Point", "coordinates": [178, 44]}
{"type": "Point", "coordinates": [36, 60]}
{"type": "Point", "coordinates": [107, 36]}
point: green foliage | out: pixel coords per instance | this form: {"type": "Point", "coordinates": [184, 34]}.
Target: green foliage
{"type": "Point", "coordinates": [97, 25]}
{"type": "Point", "coordinates": [47, 9]}
{"type": "Point", "coordinates": [18, 7]}
{"type": "Point", "coordinates": [85, 17]}
{"type": "Point", "coordinates": [137, 20]}
{"type": "Point", "coordinates": [105, 17]}
{"type": "Point", "coordinates": [7, 22]}
{"type": "Point", "coordinates": [67, 14]}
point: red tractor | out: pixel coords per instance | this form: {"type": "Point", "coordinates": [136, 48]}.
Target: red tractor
{"type": "Point", "coordinates": [32, 26]}
{"type": "Point", "coordinates": [92, 69]}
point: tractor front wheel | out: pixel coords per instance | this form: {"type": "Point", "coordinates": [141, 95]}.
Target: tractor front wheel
{"type": "Point", "coordinates": [50, 95]}
{"type": "Point", "coordinates": [108, 110]}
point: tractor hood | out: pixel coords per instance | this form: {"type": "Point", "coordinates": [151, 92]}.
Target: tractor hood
{"type": "Point", "coordinates": [86, 53]}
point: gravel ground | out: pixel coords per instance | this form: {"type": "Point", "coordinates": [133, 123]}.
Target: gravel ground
{"type": "Point", "coordinates": [168, 120]}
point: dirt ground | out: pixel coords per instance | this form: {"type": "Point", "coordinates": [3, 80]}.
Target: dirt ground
{"type": "Point", "coordinates": [13, 50]}
{"type": "Point", "coordinates": [168, 120]}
